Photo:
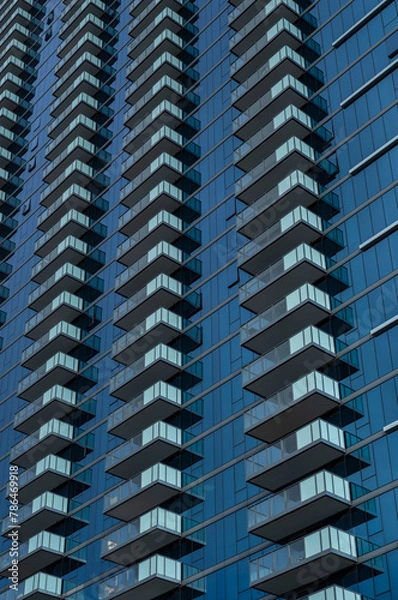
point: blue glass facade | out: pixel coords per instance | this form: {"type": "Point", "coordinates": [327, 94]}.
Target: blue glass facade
{"type": "Point", "coordinates": [168, 161]}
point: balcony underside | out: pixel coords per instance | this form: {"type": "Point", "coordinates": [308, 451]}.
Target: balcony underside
{"type": "Point", "coordinates": [159, 450]}
{"type": "Point", "coordinates": [268, 253]}
{"type": "Point", "coordinates": [304, 411]}
{"type": "Point", "coordinates": [289, 281]}
{"type": "Point", "coordinates": [302, 517]}
{"type": "Point", "coordinates": [297, 466]}
{"type": "Point", "coordinates": [285, 581]}
{"type": "Point", "coordinates": [247, 126]}
{"type": "Point", "coordinates": [288, 129]}
{"type": "Point", "coordinates": [142, 545]}
{"type": "Point", "coordinates": [282, 328]}
{"type": "Point", "coordinates": [152, 496]}
{"type": "Point", "coordinates": [271, 176]}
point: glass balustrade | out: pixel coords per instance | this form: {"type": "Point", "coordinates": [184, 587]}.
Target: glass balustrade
{"type": "Point", "coordinates": [162, 281]}
{"type": "Point", "coordinates": [335, 593]}
{"type": "Point", "coordinates": [43, 540]}
{"type": "Point", "coordinates": [72, 215]}
{"type": "Point", "coordinates": [162, 316]}
{"type": "Point", "coordinates": [276, 90]}
{"type": "Point", "coordinates": [68, 197]}
{"type": "Point", "coordinates": [163, 217]}
{"type": "Point", "coordinates": [43, 583]}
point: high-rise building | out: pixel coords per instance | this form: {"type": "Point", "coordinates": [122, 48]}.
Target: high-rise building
{"type": "Point", "coordinates": [198, 366]}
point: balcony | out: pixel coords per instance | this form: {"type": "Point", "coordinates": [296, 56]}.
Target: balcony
{"type": "Point", "coordinates": [165, 65]}
{"type": "Point", "coordinates": [301, 308]}
{"type": "Point", "coordinates": [291, 123]}
{"type": "Point", "coordinates": [305, 351]}
{"type": "Point", "coordinates": [304, 263]}
{"type": "Point", "coordinates": [63, 335]}
{"type": "Point", "coordinates": [61, 149]}
{"type": "Point", "coordinates": [160, 484]}
{"type": "Point", "coordinates": [310, 448]}
{"type": "Point", "coordinates": [300, 507]}
{"type": "Point", "coordinates": [161, 325]}
{"type": "Point", "coordinates": [68, 278]}
{"type": "Point", "coordinates": [74, 198]}
{"type": "Point", "coordinates": [258, 111]}
{"type": "Point", "coordinates": [76, 28]}
{"type": "Point", "coordinates": [295, 190]}
{"type": "Point", "coordinates": [163, 197]}
{"type": "Point", "coordinates": [298, 226]}
{"type": "Point", "coordinates": [151, 579]}
{"type": "Point", "coordinates": [163, 291]}
{"type": "Point", "coordinates": [52, 437]}
{"type": "Point", "coordinates": [165, 113]}
{"type": "Point", "coordinates": [150, 11]}
{"type": "Point", "coordinates": [166, 89]}
{"type": "Point", "coordinates": [162, 258]}
{"type": "Point", "coordinates": [283, 33]}
{"type": "Point", "coordinates": [79, 11]}
{"type": "Point", "coordinates": [48, 474]}
{"type": "Point", "coordinates": [329, 549]}
{"type": "Point", "coordinates": [60, 369]}
{"type": "Point", "coordinates": [55, 403]}
{"type": "Point", "coordinates": [162, 363]}
{"type": "Point", "coordinates": [83, 105]}
{"type": "Point", "coordinates": [41, 586]}
{"type": "Point", "coordinates": [148, 534]}
{"type": "Point", "coordinates": [72, 224]}
{"type": "Point", "coordinates": [285, 159]}
{"type": "Point", "coordinates": [160, 401]}
{"type": "Point", "coordinates": [77, 171]}
{"type": "Point", "coordinates": [77, 148]}
{"type": "Point", "coordinates": [39, 553]}
{"type": "Point", "coordinates": [157, 443]}
{"type": "Point", "coordinates": [163, 168]}
{"type": "Point", "coordinates": [162, 227]}
{"type": "Point", "coordinates": [65, 307]}
{"type": "Point", "coordinates": [312, 396]}
{"type": "Point", "coordinates": [247, 10]}
{"type": "Point", "coordinates": [145, 52]}
{"type": "Point", "coordinates": [43, 512]}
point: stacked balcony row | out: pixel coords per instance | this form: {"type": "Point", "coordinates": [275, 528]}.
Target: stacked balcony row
{"type": "Point", "coordinates": [295, 323]}
{"type": "Point", "coordinates": [156, 313]}
{"type": "Point", "coordinates": [20, 29]}
{"type": "Point", "coordinates": [61, 340]}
